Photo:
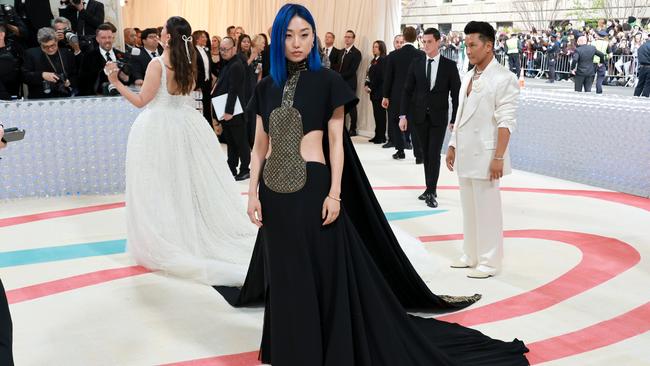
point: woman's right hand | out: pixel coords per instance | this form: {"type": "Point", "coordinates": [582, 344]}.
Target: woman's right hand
{"type": "Point", "coordinates": [254, 210]}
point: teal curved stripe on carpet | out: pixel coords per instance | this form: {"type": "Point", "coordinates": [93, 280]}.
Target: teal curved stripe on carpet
{"type": "Point", "coordinates": [61, 253]}
{"type": "Point", "coordinates": [405, 215]}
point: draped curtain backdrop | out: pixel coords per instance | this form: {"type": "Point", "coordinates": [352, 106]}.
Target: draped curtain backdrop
{"type": "Point", "coordinates": [370, 19]}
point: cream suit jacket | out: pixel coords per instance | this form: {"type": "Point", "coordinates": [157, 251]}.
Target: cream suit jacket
{"type": "Point", "coordinates": [491, 105]}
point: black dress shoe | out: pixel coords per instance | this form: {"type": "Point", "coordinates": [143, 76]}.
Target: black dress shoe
{"type": "Point", "coordinates": [408, 146]}
{"type": "Point", "coordinates": [399, 155]}
{"type": "Point", "coordinates": [379, 141]}
{"type": "Point", "coordinates": [423, 196]}
{"type": "Point", "coordinates": [353, 133]}
{"type": "Point", "coordinates": [419, 161]}
{"type": "Point", "coordinates": [431, 201]}
{"type": "Point", "coordinates": [388, 145]}
{"type": "Point", "coordinates": [373, 140]}
{"type": "Point", "coordinates": [242, 176]}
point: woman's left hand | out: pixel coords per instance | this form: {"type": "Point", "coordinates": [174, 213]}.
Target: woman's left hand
{"type": "Point", "coordinates": [111, 71]}
{"type": "Point", "coordinates": [331, 210]}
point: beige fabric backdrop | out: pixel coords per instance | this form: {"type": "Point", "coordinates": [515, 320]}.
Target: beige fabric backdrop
{"type": "Point", "coordinates": [370, 19]}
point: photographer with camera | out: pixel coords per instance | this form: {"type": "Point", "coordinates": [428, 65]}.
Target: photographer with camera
{"type": "Point", "coordinates": [66, 37]}
{"type": "Point", "coordinates": [9, 67]}
{"type": "Point", "coordinates": [85, 17]}
{"type": "Point", "coordinates": [93, 80]}
{"type": "Point", "coordinates": [49, 72]}
{"type": "Point", "coordinates": [13, 23]}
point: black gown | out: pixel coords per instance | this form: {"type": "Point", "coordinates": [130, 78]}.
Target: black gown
{"type": "Point", "coordinates": [336, 295]}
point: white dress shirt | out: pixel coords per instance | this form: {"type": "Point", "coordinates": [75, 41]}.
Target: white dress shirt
{"type": "Point", "coordinates": [206, 62]}
{"type": "Point", "coordinates": [149, 53]}
{"type": "Point", "coordinates": [434, 69]}
{"type": "Point", "coordinates": [111, 52]}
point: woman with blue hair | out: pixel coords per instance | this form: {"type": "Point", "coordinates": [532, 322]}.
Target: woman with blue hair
{"type": "Point", "coordinates": [334, 281]}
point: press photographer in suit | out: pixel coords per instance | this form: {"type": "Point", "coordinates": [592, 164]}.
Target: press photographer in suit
{"type": "Point", "coordinates": [93, 80]}
{"type": "Point", "coordinates": [85, 17]}
{"type": "Point", "coordinates": [430, 81]}
{"type": "Point", "coordinates": [150, 49]}
{"type": "Point", "coordinates": [35, 14]}
{"type": "Point", "coordinates": [49, 71]}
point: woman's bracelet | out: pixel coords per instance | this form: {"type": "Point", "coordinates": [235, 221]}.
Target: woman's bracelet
{"type": "Point", "coordinates": [335, 199]}
{"type": "Point", "coordinates": [499, 158]}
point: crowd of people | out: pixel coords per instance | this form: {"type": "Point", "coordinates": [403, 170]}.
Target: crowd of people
{"type": "Point", "coordinates": [552, 53]}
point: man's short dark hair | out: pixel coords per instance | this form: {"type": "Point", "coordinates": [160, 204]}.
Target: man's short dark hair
{"type": "Point", "coordinates": [107, 26]}
{"type": "Point", "coordinates": [434, 32]}
{"type": "Point", "coordinates": [332, 34]}
{"type": "Point", "coordinates": [3, 29]}
{"type": "Point", "coordinates": [229, 28]}
{"type": "Point", "coordinates": [353, 34]}
{"type": "Point", "coordinates": [409, 34]}
{"type": "Point", "coordinates": [145, 33]}
{"type": "Point", "coordinates": [485, 31]}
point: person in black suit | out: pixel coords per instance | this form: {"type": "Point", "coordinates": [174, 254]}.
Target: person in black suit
{"type": "Point", "coordinates": [93, 80]}
{"type": "Point", "coordinates": [374, 86]}
{"type": "Point", "coordinates": [49, 71]}
{"type": "Point", "coordinates": [231, 81]}
{"type": "Point", "coordinates": [140, 58]}
{"type": "Point", "coordinates": [431, 80]}
{"type": "Point", "coordinates": [85, 17]}
{"type": "Point", "coordinates": [583, 65]}
{"type": "Point", "coordinates": [348, 66]}
{"type": "Point", "coordinates": [397, 65]}
{"type": "Point", "coordinates": [200, 39]}
{"type": "Point", "coordinates": [333, 53]}
{"type": "Point", "coordinates": [36, 14]}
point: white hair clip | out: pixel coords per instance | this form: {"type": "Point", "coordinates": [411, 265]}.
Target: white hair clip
{"type": "Point", "coordinates": [187, 48]}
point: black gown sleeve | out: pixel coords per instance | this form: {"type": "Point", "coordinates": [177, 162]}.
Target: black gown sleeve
{"type": "Point", "coordinates": [254, 106]}
{"type": "Point", "coordinates": [340, 93]}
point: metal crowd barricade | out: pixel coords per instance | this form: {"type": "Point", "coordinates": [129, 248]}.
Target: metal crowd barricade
{"type": "Point", "coordinates": [450, 53]}
{"type": "Point", "coordinates": [623, 67]}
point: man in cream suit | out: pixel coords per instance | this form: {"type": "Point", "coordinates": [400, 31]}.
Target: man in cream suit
{"type": "Point", "coordinates": [478, 150]}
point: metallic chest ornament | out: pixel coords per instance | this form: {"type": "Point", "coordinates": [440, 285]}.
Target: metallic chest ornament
{"type": "Point", "coordinates": [285, 170]}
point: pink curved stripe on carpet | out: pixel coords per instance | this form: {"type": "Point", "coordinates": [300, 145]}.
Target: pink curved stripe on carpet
{"type": "Point", "coordinates": [238, 359]}
{"type": "Point", "coordinates": [617, 197]}
{"type": "Point", "coordinates": [72, 283]}
{"type": "Point", "coordinates": [623, 198]}
{"type": "Point", "coordinates": [17, 220]}
{"type": "Point", "coordinates": [608, 332]}
{"type": "Point", "coordinates": [602, 259]}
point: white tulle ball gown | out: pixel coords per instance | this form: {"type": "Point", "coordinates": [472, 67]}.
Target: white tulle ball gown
{"type": "Point", "coordinates": [185, 214]}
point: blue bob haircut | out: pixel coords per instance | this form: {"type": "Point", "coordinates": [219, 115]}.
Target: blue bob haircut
{"type": "Point", "coordinates": [278, 35]}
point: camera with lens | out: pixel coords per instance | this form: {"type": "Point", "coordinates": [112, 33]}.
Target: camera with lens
{"type": "Point", "coordinates": [59, 87]}
{"type": "Point", "coordinates": [123, 67]}
{"type": "Point", "coordinates": [7, 13]}
{"type": "Point", "coordinates": [70, 36]}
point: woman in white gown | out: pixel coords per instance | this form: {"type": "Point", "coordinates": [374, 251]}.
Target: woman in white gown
{"type": "Point", "coordinates": [184, 212]}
